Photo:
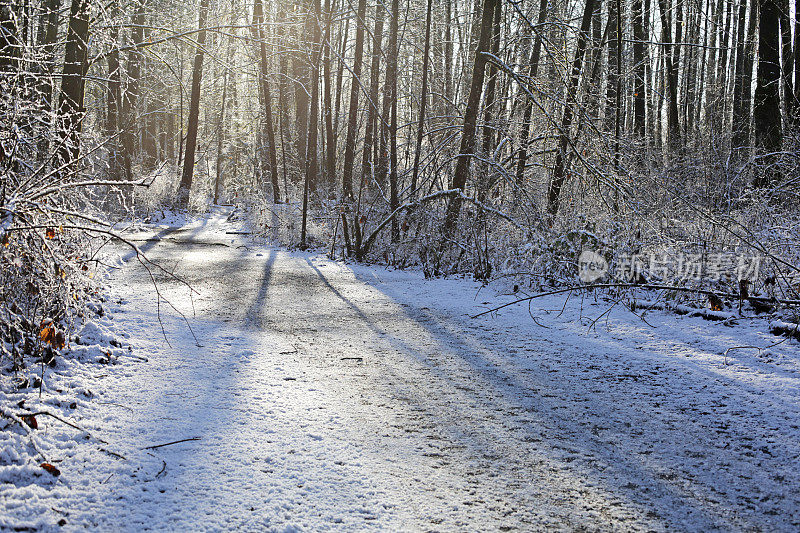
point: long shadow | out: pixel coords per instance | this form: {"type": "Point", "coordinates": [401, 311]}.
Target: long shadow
{"type": "Point", "coordinates": [261, 299]}
{"type": "Point", "coordinates": [511, 390]}
{"type": "Point", "coordinates": [209, 384]}
{"type": "Point", "coordinates": [149, 243]}
{"type": "Point", "coordinates": [159, 237]}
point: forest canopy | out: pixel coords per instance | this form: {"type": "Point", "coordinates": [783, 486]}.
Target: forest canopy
{"type": "Point", "coordinates": [486, 136]}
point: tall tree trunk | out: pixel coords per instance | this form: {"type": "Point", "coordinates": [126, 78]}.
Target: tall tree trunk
{"type": "Point", "coordinates": [533, 69]}
{"type": "Point", "coordinates": [70, 105]}
{"type": "Point", "coordinates": [170, 119]}
{"type": "Point", "coordinates": [330, 136]}
{"type": "Point", "coordinates": [302, 89]}
{"type": "Point", "coordinates": [283, 89]}
{"type": "Point", "coordinates": [355, 90]}
{"type": "Point", "coordinates": [613, 67]}
{"type": "Point", "coordinates": [448, 54]}
{"type": "Point", "coordinates": [312, 146]}
{"type": "Point", "coordinates": [690, 66]}
{"type": "Point", "coordinates": [194, 110]}
{"type": "Point", "coordinates": [221, 125]}
{"type": "Point", "coordinates": [114, 100]}
{"type": "Point", "coordinates": [639, 72]}
{"type": "Point", "coordinates": [313, 123]}
{"type": "Point", "coordinates": [48, 35]}
{"type": "Point", "coordinates": [767, 110]}
{"type": "Point", "coordinates": [673, 125]}
{"type": "Point", "coordinates": [367, 156]}
{"type": "Point", "coordinates": [722, 71]}
{"type": "Point", "coordinates": [220, 139]}
{"type": "Point", "coordinates": [267, 127]}
{"type": "Point", "coordinates": [340, 77]}
{"type": "Point", "coordinates": [467, 149]}
{"type": "Point", "coordinates": [560, 167]}
{"type": "Point", "coordinates": [594, 62]}
{"type": "Point", "coordinates": [131, 96]}
{"type": "Point", "coordinates": [391, 84]}
{"type": "Point", "coordinates": [617, 92]}
{"type": "Point", "coordinates": [788, 60]}
{"type": "Point", "coordinates": [148, 127]}
{"type": "Point", "coordinates": [383, 128]}
{"type": "Point", "coordinates": [796, 55]}
{"type": "Point", "coordinates": [747, 78]}
{"type": "Point", "coordinates": [739, 138]}
{"type": "Point", "coordinates": [491, 84]}
{"type": "Point", "coordinates": [423, 100]}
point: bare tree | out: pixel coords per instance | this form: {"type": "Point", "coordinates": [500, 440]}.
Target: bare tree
{"type": "Point", "coordinates": [194, 110]}
{"type": "Point", "coordinates": [267, 127]}
{"type": "Point", "coordinates": [70, 105]}
{"type": "Point", "coordinates": [467, 149]}
{"type": "Point", "coordinates": [767, 109]}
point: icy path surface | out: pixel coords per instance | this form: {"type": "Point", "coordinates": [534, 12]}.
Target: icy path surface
{"type": "Point", "coordinates": [328, 396]}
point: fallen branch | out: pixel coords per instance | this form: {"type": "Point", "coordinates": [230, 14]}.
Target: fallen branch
{"type": "Point", "coordinates": [761, 299]}
{"type": "Point", "coordinates": [70, 424]}
{"type": "Point", "coordinates": [786, 329]}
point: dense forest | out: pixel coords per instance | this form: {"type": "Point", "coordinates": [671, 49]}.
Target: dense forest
{"type": "Point", "coordinates": [460, 135]}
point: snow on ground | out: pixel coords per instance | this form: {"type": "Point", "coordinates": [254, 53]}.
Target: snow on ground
{"type": "Point", "coordinates": [325, 396]}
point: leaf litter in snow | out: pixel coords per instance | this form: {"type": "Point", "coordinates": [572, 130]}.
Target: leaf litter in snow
{"type": "Point", "coordinates": [48, 435]}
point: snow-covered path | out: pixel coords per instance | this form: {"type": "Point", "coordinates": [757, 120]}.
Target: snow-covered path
{"type": "Point", "coordinates": [327, 396]}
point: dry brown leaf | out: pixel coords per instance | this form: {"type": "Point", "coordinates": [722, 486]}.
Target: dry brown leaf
{"type": "Point", "coordinates": [30, 420]}
{"type": "Point", "coordinates": [52, 469]}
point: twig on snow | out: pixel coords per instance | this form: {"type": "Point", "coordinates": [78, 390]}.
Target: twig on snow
{"type": "Point", "coordinates": [170, 443]}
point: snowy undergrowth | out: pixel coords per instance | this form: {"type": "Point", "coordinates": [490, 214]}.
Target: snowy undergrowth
{"type": "Point", "coordinates": [44, 439]}
{"type": "Point", "coordinates": [537, 258]}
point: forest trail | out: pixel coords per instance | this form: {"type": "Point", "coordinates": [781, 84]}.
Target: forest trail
{"type": "Point", "coordinates": [325, 396]}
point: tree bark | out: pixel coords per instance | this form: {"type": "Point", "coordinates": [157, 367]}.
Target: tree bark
{"type": "Point", "coordinates": [533, 69]}
{"type": "Point", "coordinates": [788, 60]}
{"type": "Point", "coordinates": [391, 83]}
{"type": "Point", "coordinates": [131, 95]}
{"type": "Point", "coordinates": [355, 90]}
{"type": "Point", "coordinates": [368, 159]}
{"type": "Point", "coordinates": [267, 126]}
{"type": "Point", "coordinates": [739, 138]}
{"type": "Point", "coordinates": [313, 123]}
{"type": "Point", "coordinates": [467, 149]}
{"type": "Point", "coordinates": [560, 167]}
{"type": "Point", "coordinates": [114, 102]}
{"type": "Point", "coordinates": [613, 67]}
{"type": "Point", "coordinates": [796, 55]}
{"type": "Point", "coordinates": [70, 105]}
{"type": "Point", "coordinates": [639, 73]}
{"type": "Point", "coordinates": [767, 110]}
{"type": "Point", "coordinates": [301, 90]}
{"type": "Point", "coordinates": [423, 100]}
{"type": "Point", "coordinates": [194, 110]}
{"type": "Point", "coordinates": [330, 136]}
{"type": "Point", "coordinates": [673, 125]}
{"type": "Point", "coordinates": [491, 85]}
